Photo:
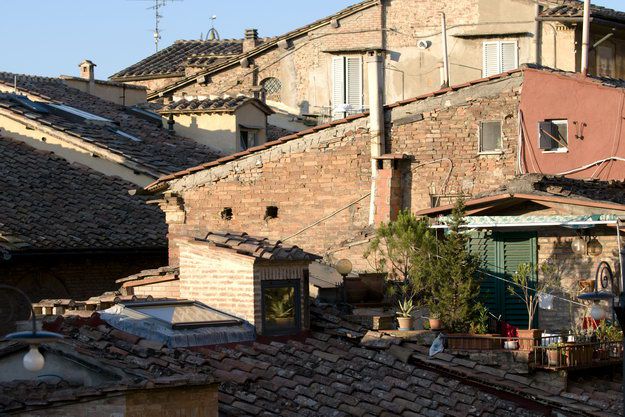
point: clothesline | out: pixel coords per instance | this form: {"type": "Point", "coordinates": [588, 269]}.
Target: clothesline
{"type": "Point", "coordinates": [528, 288]}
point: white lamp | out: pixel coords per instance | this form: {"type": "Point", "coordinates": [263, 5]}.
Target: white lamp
{"type": "Point", "coordinates": [597, 312]}
{"type": "Point", "coordinates": [33, 361]}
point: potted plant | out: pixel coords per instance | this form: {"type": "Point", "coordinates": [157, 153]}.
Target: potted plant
{"type": "Point", "coordinates": [555, 354]}
{"type": "Point", "coordinates": [434, 321]}
{"type": "Point", "coordinates": [527, 289]}
{"type": "Point", "coordinates": [406, 307]}
{"type": "Point", "coordinates": [281, 310]}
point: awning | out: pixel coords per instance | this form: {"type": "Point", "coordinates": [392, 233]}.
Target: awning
{"type": "Point", "coordinates": [573, 222]}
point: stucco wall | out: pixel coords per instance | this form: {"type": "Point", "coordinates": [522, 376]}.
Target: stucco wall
{"type": "Point", "coordinates": [121, 95]}
{"type": "Point", "coordinates": [542, 99]}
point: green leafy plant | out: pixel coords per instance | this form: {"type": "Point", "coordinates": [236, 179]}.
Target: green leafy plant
{"type": "Point", "coordinates": [480, 323]}
{"type": "Point", "coordinates": [608, 332]}
{"type": "Point", "coordinates": [527, 288]}
{"type": "Point", "coordinates": [406, 307]}
{"type": "Point", "coordinates": [280, 306]}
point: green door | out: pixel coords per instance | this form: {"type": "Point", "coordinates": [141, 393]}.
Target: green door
{"type": "Point", "coordinates": [501, 253]}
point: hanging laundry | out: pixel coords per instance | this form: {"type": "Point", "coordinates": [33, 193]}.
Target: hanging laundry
{"type": "Point", "coordinates": [545, 301]}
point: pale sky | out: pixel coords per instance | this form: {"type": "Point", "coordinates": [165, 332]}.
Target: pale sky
{"type": "Point", "coordinates": [51, 37]}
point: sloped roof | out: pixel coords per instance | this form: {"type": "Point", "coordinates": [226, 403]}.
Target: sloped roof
{"type": "Point", "coordinates": [47, 203]}
{"type": "Point", "coordinates": [157, 151]}
{"type": "Point", "coordinates": [213, 105]}
{"type": "Point", "coordinates": [172, 60]}
{"type": "Point", "coordinates": [129, 362]}
{"type": "Point", "coordinates": [258, 247]}
{"type": "Point", "coordinates": [268, 44]}
{"type": "Point", "coordinates": [296, 135]}
{"type": "Point", "coordinates": [575, 9]}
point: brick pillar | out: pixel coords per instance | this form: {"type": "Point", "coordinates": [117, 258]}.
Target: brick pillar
{"type": "Point", "coordinates": [388, 197]}
{"type": "Point", "coordinates": [175, 217]}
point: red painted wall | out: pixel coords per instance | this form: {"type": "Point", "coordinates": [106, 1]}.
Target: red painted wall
{"type": "Point", "coordinates": [549, 95]}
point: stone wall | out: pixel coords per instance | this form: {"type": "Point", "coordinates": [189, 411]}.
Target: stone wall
{"type": "Point", "coordinates": [174, 402]}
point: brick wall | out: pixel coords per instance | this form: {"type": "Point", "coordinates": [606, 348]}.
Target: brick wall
{"type": "Point", "coordinates": [166, 289]}
{"type": "Point", "coordinates": [555, 246]}
{"type": "Point", "coordinates": [174, 402]}
{"type": "Point", "coordinates": [312, 177]}
{"type": "Point", "coordinates": [75, 276]}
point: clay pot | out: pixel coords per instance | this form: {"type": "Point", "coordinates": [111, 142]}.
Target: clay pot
{"type": "Point", "coordinates": [554, 357]}
{"type": "Point", "coordinates": [435, 324]}
{"type": "Point", "coordinates": [405, 323]}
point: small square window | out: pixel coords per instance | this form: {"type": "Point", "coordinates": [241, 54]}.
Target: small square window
{"type": "Point", "coordinates": [226, 213]}
{"type": "Point", "coordinates": [553, 135]}
{"type": "Point", "coordinates": [271, 212]}
{"type": "Point", "coordinates": [490, 137]}
{"type": "Point", "coordinates": [281, 307]}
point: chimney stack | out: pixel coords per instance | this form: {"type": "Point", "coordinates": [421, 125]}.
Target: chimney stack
{"type": "Point", "coordinates": [251, 40]}
{"type": "Point", "coordinates": [87, 70]}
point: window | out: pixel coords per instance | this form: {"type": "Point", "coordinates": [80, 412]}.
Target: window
{"type": "Point", "coordinates": [500, 56]}
{"type": "Point", "coordinates": [68, 110]}
{"type": "Point", "coordinates": [271, 88]}
{"type": "Point", "coordinates": [281, 307]}
{"type": "Point", "coordinates": [247, 139]}
{"type": "Point", "coordinates": [553, 135]}
{"type": "Point", "coordinates": [226, 213]}
{"type": "Point", "coordinates": [346, 86]}
{"type": "Point", "coordinates": [490, 137]}
{"type": "Point", "coordinates": [126, 135]}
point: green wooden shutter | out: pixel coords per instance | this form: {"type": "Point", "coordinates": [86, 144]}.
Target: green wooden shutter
{"type": "Point", "coordinates": [482, 245]}
{"type": "Point", "coordinates": [514, 249]}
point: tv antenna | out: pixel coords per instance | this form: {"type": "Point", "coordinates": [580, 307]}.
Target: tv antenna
{"type": "Point", "coordinates": [158, 5]}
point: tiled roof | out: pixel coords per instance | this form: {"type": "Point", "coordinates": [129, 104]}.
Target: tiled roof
{"type": "Point", "coordinates": [172, 60]}
{"type": "Point", "coordinates": [158, 152]}
{"type": "Point", "coordinates": [296, 135]}
{"type": "Point", "coordinates": [275, 132]}
{"type": "Point", "coordinates": [132, 362]}
{"type": "Point", "coordinates": [340, 369]}
{"type": "Point", "coordinates": [266, 45]}
{"type": "Point", "coordinates": [575, 9]}
{"type": "Point", "coordinates": [208, 105]}
{"type": "Point", "coordinates": [258, 247]}
{"type": "Point", "coordinates": [48, 203]}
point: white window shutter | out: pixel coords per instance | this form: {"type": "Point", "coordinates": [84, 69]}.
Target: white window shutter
{"type": "Point", "coordinates": [338, 85]}
{"type": "Point", "coordinates": [509, 56]}
{"type": "Point", "coordinates": [491, 59]}
{"type": "Point", "coordinates": [354, 84]}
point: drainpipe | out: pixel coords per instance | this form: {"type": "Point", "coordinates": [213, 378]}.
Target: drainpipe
{"type": "Point", "coordinates": [585, 37]}
{"type": "Point", "coordinates": [445, 82]}
{"type": "Point", "coordinates": [538, 36]}
{"type": "Point", "coordinates": [376, 121]}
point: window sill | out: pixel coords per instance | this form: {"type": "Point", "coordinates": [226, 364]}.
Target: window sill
{"type": "Point", "coordinates": [559, 150]}
{"type": "Point", "coordinates": [490, 153]}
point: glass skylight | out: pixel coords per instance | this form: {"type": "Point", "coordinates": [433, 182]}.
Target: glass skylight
{"type": "Point", "coordinates": [127, 135]}
{"type": "Point", "coordinates": [185, 314]}
{"type": "Point", "coordinates": [80, 113]}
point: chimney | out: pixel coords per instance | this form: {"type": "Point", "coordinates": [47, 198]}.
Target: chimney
{"type": "Point", "coordinates": [87, 70]}
{"type": "Point", "coordinates": [376, 122]}
{"type": "Point", "coordinates": [251, 40]}
{"type": "Point", "coordinates": [388, 188]}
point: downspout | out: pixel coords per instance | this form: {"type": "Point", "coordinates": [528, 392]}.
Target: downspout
{"type": "Point", "coordinates": [585, 38]}
{"type": "Point", "coordinates": [376, 121]}
{"type": "Point", "coordinates": [445, 82]}
{"type": "Point", "coordinates": [538, 36]}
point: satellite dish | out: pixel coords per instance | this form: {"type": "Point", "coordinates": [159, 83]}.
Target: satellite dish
{"type": "Point", "coordinates": [424, 44]}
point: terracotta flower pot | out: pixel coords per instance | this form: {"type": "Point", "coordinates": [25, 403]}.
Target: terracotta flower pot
{"type": "Point", "coordinates": [529, 338]}
{"type": "Point", "coordinates": [435, 324]}
{"type": "Point", "coordinates": [554, 357]}
{"type": "Point", "coordinates": [405, 323]}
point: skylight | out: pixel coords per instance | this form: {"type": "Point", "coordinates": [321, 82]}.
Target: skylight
{"type": "Point", "coordinates": [80, 113]}
{"type": "Point", "coordinates": [127, 135]}
{"type": "Point", "coordinates": [184, 314]}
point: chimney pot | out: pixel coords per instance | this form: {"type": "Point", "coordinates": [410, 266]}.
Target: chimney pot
{"type": "Point", "coordinates": [250, 40]}
{"type": "Point", "coordinates": [87, 70]}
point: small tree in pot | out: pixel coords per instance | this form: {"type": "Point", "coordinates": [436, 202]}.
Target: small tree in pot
{"type": "Point", "coordinates": [528, 289]}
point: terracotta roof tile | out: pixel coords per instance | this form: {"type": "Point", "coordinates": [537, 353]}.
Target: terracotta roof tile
{"type": "Point", "coordinates": [48, 203]}
{"type": "Point", "coordinates": [173, 59]}
{"type": "Point", "coordinates": [154, 149]}
{"type": "Point", "coordinates": [575, 9]}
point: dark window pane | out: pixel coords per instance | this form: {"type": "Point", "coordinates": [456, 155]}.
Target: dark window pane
{"type": "Point", "coordinates": [490, 136]}
{"type": "Point", "coordinates": [280, 308]}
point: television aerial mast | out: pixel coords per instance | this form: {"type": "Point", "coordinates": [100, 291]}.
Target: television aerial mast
{"type": "Point", "coordinates": [158, 5]}
{"type": "Point", "coordinates": [213, 34]}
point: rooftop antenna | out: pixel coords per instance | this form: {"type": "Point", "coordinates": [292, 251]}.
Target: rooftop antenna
{"type": "Point", "coordinates": [158, 5]}
{"type": "Point", "coordinates": [212, 34]}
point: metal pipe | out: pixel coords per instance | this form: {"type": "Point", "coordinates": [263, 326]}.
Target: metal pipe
{"type": "Point", "coordinates": [585, 38]}
{"type": "Point", "coordinates": [538, 35]}
{"type": "Point", "coordinates": [376, 122]}
{"type": "Point", "coordinates": [445, 52]}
